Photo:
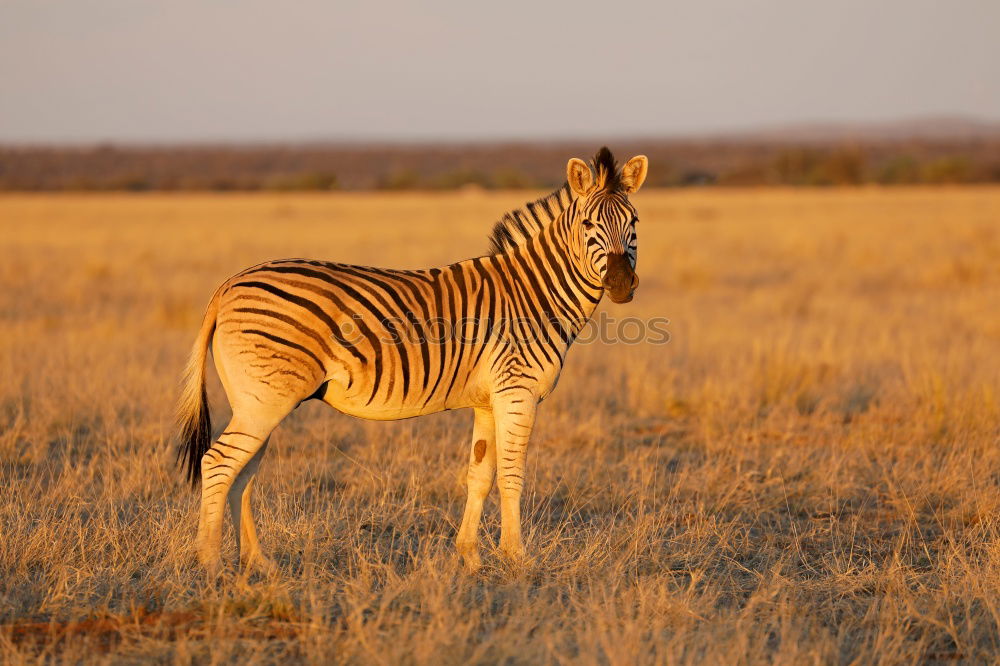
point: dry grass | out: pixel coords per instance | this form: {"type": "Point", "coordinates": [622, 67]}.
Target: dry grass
{"type": "Point", "coordinates": [809, 471]}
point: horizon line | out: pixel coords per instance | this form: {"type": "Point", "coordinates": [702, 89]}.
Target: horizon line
{"type": "Point", "coordinates": [935, 126]}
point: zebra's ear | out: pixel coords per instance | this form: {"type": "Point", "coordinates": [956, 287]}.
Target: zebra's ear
{"type": "Point", "coordinates": [579, 177]}
{"type": "Point", "coordinates": [634, 173]}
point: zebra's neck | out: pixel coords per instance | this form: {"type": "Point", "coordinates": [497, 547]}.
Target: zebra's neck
{"type": "Point", "coordinates": [562, 292]}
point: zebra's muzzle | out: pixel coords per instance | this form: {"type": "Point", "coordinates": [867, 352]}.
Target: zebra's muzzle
{"type": "Point", "coordinates": [620, 281]}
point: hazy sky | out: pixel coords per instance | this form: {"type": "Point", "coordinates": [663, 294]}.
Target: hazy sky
{"type": "Point", "coordinates": [335, 69]}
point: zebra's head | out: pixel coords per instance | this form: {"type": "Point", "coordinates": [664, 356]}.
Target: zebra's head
{"type": "Point", "coordinates": [604, 220]}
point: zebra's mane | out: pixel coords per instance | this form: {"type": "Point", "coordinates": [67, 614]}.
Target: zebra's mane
{"type": "Point", "coordinates": [522, 224]}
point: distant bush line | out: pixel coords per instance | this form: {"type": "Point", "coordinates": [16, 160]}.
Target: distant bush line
{"type": "Point", "coordinates": [323, 167]}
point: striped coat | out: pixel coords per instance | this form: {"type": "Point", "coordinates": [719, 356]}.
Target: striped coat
{"type": "Point", "coordinates": [489, 333]}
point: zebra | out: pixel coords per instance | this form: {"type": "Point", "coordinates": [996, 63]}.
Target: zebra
{"type": "Point", "coordinates": [361, 340]}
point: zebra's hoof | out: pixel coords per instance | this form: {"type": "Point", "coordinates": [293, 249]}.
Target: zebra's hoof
{"type": "Point", "coordinates": [212, 567]}
{"type": "Point", "coordinates": [473, 563]}
{"type": "Point", "coordinates": [513, 553]}
{"type": "Point", "coordinates": [261, 564]}
{"type": "Point", "coordinates": [470, 557]}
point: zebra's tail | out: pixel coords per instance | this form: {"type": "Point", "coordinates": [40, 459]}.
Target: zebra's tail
{"type": "Point", "coordinates": [194, 421]}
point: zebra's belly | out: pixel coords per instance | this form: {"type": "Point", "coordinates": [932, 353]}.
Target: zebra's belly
{"type": "Point", "coordinates": [380, 410]}
{"type": "Point", "coordinates": [383, 412]}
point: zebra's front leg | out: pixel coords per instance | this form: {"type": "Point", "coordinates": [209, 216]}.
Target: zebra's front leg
{"type": "Point", "coordinates": [514, 413]}
{"type": "Point", "coordinates": [482, 469]}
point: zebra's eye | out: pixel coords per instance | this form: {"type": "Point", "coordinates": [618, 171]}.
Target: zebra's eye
{"type": "Point", "coordinates": [587, 225]}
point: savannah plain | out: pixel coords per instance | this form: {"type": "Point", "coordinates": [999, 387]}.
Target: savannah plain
{"type": "Point", "coordinates": [808, 472]}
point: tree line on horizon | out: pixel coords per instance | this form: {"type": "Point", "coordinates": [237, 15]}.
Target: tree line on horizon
{"type": "Point", "coordinates": [323, 167]}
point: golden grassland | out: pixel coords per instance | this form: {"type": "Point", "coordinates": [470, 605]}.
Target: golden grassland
{"type": "Point", "coordinates": [808, 472]}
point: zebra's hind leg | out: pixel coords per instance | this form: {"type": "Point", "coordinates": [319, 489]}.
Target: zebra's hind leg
{"type": "Point", "coordinates": [221, 466]}
{"type": "Point", "coordinates": [247, 546]}
{"type": "Point", "coordinates": [482, 469]}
